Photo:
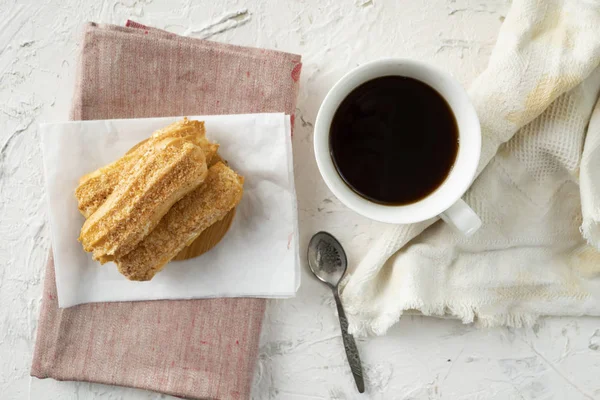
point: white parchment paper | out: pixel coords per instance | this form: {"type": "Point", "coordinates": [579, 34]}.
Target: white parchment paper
{"type": "Point", "coordinates": [259, 255]}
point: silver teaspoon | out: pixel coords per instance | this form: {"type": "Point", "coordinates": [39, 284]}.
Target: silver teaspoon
{"type": "Point", "coordinates": [327, 260]}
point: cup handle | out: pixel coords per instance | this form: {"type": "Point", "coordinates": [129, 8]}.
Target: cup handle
{"type": "Point", "coordinates": [461, 217]}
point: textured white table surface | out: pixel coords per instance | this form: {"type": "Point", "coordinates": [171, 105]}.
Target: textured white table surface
{"type": "Point", "coordinates": [301, 353]}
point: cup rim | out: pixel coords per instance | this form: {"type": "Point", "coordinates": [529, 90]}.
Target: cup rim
{"type": "Point", "coordinates": [460, 177]}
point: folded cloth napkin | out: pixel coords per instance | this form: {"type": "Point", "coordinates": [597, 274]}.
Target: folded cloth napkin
{"type": "Point", "coordinates": [537, 185]}
{"type": "Point", "coordinates": [193, 348]}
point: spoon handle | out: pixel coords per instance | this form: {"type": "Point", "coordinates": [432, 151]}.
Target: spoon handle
{"type": "Point", "coordinates": [349, 345]}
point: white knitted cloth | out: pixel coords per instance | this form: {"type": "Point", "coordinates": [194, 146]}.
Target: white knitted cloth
{"type": "Point", "coordinates": [538, 186]}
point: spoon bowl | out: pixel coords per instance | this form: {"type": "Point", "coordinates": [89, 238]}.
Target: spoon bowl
{"type": "Point", "coordinates": [327, 259]}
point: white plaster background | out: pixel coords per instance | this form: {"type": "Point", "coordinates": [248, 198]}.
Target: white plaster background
{"type": "Point", "coordinates": [301, 353]}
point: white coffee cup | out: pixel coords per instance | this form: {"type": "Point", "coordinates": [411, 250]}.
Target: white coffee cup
{"type": "Point", "coordinates": [446, 200]}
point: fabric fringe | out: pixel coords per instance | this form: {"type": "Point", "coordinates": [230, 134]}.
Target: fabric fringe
{"type": "Point", "coordinates": [364, 326]}
{"type": "Point", "coordinates": [590, 230]}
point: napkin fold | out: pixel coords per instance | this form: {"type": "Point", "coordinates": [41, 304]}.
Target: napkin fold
{"type": "Point", "coordinates": [191, 348]}
{"type": "Point", "coordinates": [537, 187]}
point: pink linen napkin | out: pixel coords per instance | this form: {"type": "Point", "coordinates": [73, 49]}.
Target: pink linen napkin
{"type": "Point", "coordinates": [188, 348]}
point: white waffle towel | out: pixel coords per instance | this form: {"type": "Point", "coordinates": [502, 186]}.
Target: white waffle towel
{"type": "Point", "coordinates": [538, 191]}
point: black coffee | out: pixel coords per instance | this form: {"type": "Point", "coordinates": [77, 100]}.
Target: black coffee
{"type": "Point", "coordinates": [394, 140]}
